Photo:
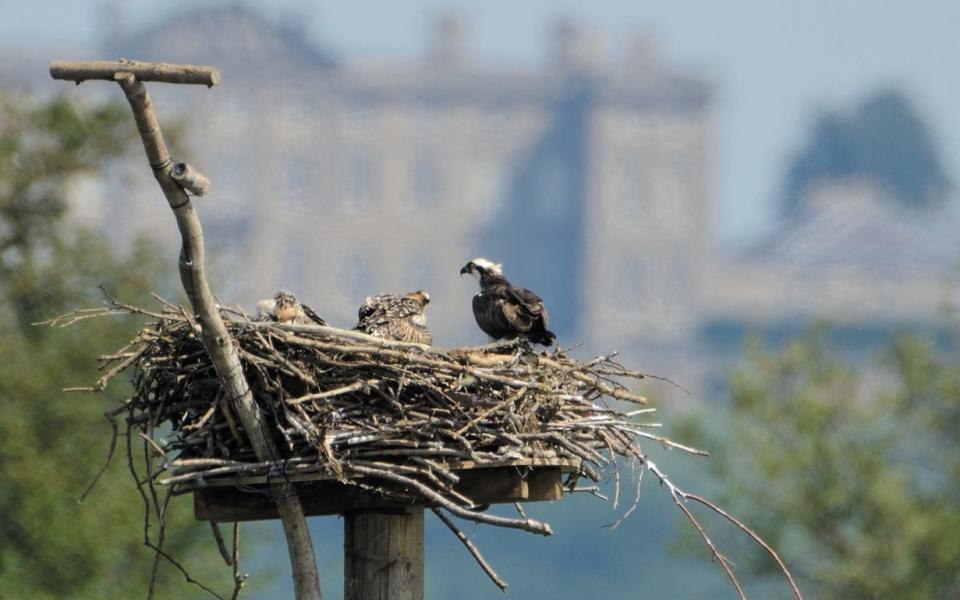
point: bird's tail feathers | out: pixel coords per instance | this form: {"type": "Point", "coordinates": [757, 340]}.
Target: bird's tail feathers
{"type": "Point", "coordinates": [544, 337]}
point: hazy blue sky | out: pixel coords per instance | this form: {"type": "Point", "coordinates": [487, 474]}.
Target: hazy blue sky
{"type": "Point", "coordinates": [774, 62]}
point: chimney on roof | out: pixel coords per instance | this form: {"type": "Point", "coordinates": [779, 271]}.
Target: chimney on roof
{"type": "Point", "coordinates": [574, 45]}
{"type": "Point", "coordinates": [447, 41]}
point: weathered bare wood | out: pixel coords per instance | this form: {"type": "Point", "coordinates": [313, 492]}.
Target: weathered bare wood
{"type": "Point", "coordinates": [80, 71]}
{"type": "Point", "coordinates": [217, 340]}
{"type": "Point", "coordinates": [331, 497]}
{"type": "Point", "coordinates": [383, 555]}
{"type": "Point", "coordinates": [190, 179]}
{"type": "Point", "coordinates": [233, 474]}
{"type": "Point", "coordinates": [474, 551]}
{"type": "Point", "coordinates": [215, 337]}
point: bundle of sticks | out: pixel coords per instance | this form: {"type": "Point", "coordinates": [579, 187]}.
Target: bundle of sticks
{"type": "Point", "coordinates": [390, 417]}
{"type": "Point", "coordinates": [342, 402]}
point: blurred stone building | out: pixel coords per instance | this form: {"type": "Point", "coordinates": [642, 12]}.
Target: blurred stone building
{"type": "Point", "coordinates": [586, 177]}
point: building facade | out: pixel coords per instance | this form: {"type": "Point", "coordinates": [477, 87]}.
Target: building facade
{"type": "Point", "coordinates": [586, 177]}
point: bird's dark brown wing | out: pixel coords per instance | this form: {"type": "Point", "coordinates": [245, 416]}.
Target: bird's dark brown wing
{"type": "Point", "coordinates": [527, 314]}
{"type": "Point", "coordinates": [529, 301]}
{"type": "Point", "coordinates": [379, 309]}
{"type": "Point", "coordinates": [312, 315]}
{"type": "Point", "coordinates": [523, 308]}
{"type": "Point", "coordinates": [490, 315]}
{"type": "Point", "coordinates": [391, 316]}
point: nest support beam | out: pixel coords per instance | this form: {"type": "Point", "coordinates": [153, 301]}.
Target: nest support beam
{"type": "Point", "coordinates": [230, 503]}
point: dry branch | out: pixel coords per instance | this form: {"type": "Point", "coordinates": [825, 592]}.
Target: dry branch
{"type": "Point", "coordinates": [216, 340]}
{"type": "Point", "coordinates": [190, 179]}
{"type": "Point", "coordinates": [80, 71]}
{"type": "Point", "coordinates": [472, 548]}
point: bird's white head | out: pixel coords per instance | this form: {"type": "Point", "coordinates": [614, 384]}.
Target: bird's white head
{"type": "Point", "coordinates": [478, 266]}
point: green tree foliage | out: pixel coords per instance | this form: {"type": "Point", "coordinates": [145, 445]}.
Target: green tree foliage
{"type": "Point", "coordinates": [883, 139]}
{"type": "Point", "coordinates": [852, 475]}
{"type": "Point", "coordinates": [52, 443]}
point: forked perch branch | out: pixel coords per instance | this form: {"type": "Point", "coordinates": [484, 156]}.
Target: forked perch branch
{"type": "Point", "coordinates": [215, 336]}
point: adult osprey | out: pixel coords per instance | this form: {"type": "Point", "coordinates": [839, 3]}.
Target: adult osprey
{"type": "Point", "coordinates": [396, 317]}
{"type": "Point", "coordinates": [285, 308]}
{"type": "Point", "coordinates": [503, 311]}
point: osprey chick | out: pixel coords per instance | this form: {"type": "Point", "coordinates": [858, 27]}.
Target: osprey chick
{"type": "Point", "coordinates": [287, 309]}
{"type": "Point", "coordinates": [504, 311]}
{"type": "Point", "coordinates": [396, 317]}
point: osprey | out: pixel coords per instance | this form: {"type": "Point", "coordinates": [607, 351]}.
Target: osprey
{"type": "Point", "coordinates": [396, 317]}
{"type": "Point", "coordinates": [285, 308]}
{"type": "Point", "coordinates": [503, 311]}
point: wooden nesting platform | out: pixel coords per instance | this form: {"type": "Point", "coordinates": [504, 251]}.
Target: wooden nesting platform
{"type": "Point", "coordinates": [229, 499]}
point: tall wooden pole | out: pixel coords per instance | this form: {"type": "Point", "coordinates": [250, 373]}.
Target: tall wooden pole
{"type": "Point", "coordinates": [383, 555]}
{"type": "Point", "coordinates": [216, 338]}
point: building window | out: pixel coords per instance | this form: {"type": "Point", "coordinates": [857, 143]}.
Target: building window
{"type": "Point", "coordinates": [361, 181]}
{"type": "Point", "coordinates": [421, 271]}
{"type": "Point", "coordinates": [487, 188]}
{"type": "Point", "coordinates": [631, 285]}
{"type": "Point", "coordinates": [551, 188]}
{"type": "Point", "coordinates": [231, 177]}
{"type": "Point", "coordinates": [295, 174]}
{"type": "Point", "coordinates": [293, 267]}
{"type": "Point", "coordinates": [633, 188]}
{"type": "Point", "coordinates": [426, 182]}
{"type": "Point", "coordinates": [357, 277]}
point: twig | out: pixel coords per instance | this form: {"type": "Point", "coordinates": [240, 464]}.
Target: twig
{"type": "Point", "coordinates": [474, 551]}
{"type": "Point", "coordinates": [106, 463]}
{"type": "Point", "coordinates": [593, 490]}
{"type": "Point", "coordinates": [221, 546]}
{"type": "Point", "coordinates": [530, 525]}
{"type": "Point", "coordinates": [680, 497]}
{"type": "Point", "coordinates": [636, 500]}
{"type": "Point", "coordinates": [753, 535]}
{"type": "Point", "coordinates": [238, 579]}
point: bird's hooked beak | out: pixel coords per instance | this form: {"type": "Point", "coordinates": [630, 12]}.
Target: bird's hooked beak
{"type": "Point", "coordinates": [467, 268]}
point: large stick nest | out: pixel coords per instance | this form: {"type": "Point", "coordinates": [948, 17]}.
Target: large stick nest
{"type": "Point", "coordinates": [393, 418]}
{"type": "Point", "coordinates": [342, 403]}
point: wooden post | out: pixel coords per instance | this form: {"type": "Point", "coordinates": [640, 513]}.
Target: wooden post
{"type": "Point", "coordinates": [383, 555]}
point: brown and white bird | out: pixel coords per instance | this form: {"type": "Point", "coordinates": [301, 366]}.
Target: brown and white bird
{"type": "Point", "coordinates": [395, 317]}
{"type": "Point", "coordinates": [287, 309]}
{"type": "Point", "coordinates": [504, 311]}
